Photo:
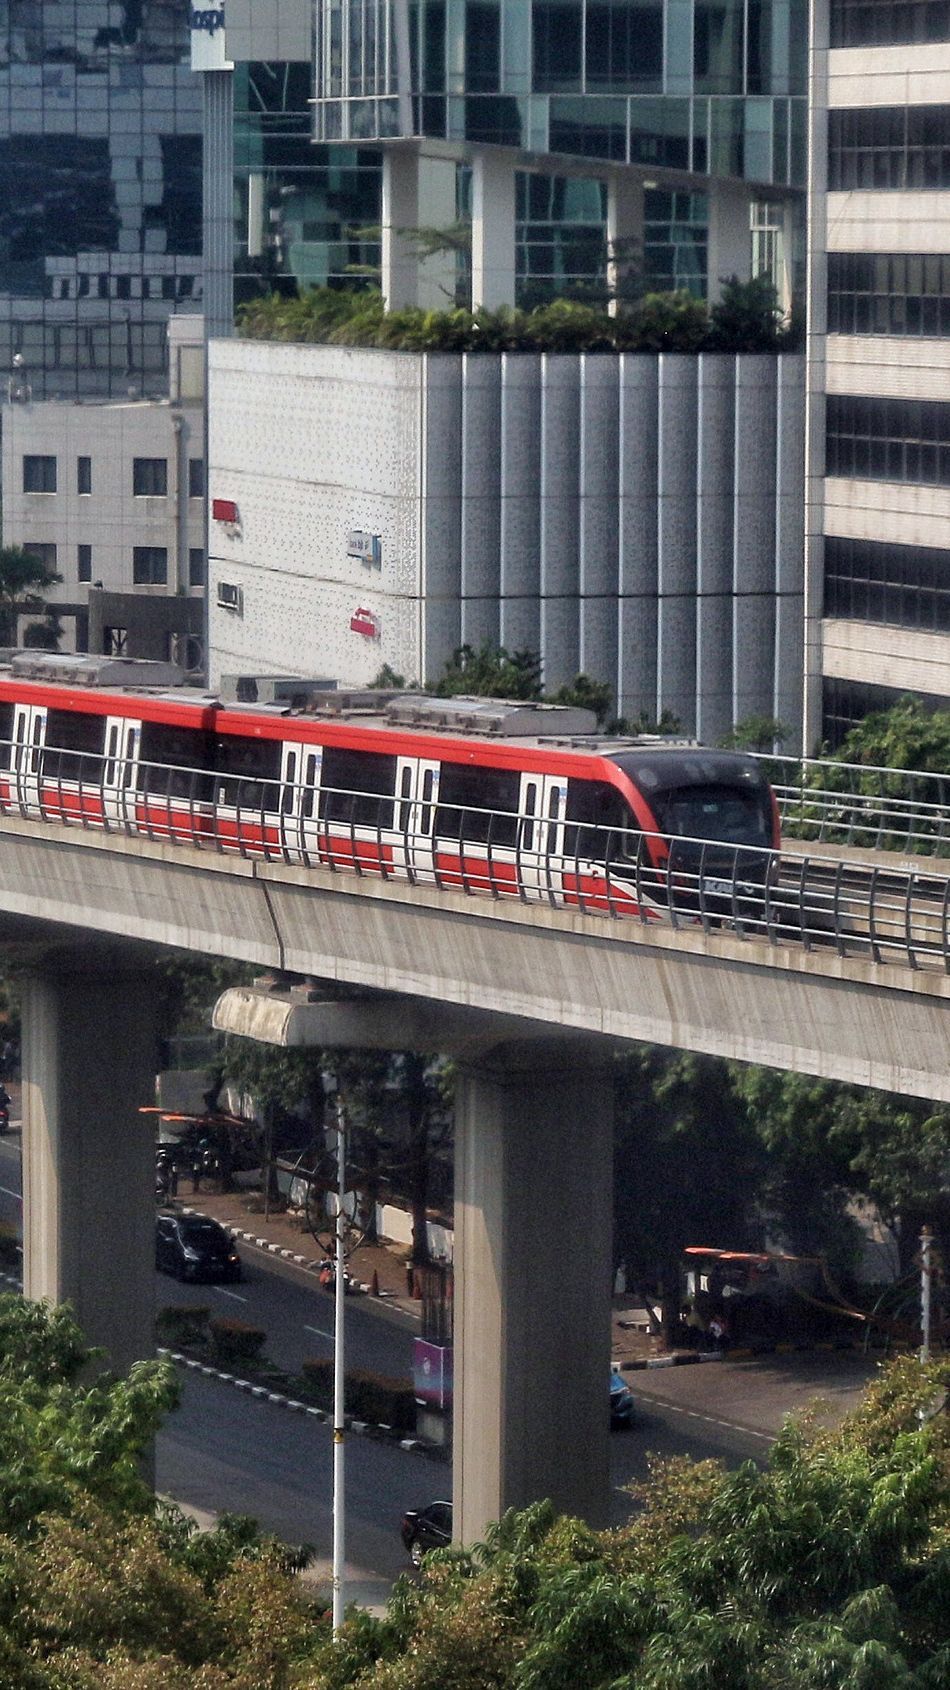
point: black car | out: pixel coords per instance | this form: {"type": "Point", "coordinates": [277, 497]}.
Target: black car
{"type": "Point", "coordinates": [195, 1247]}
{"type": "Point", "coordinates": [427, 1528]}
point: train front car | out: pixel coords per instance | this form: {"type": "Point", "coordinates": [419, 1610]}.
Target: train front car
{"type": "Point", "coordinates": [707, 828]}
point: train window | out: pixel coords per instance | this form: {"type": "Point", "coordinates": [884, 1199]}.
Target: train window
{"type": "Point", "coordinates": [428, 781]}
{"type": "Point", "coordinates": [6, 736]}
{"type": "Point", "coordinates": [73, 745]}
{"type": "Point", "coordinates": [478, 804]}
{"type": "Point", "coordinates": [172, 759]}
{"type": "Point", "coordinates": [289, 797]}
{"type": "Point", "coordinates": [731, 814]}
{"type": "Point", "coordinates": [311, 768]}
{"type": "Point", "coordinates": [247, 772]}
{"type": "Point", "coordinates": [405, 793]}
{"type": "Point", "coordinates": [357, 787]}
{"type": "Point", "coordinates": [596, 817]}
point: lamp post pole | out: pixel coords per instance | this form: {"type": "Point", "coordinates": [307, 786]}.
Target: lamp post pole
{"type": "Point", "coordinates": [339, 1427]}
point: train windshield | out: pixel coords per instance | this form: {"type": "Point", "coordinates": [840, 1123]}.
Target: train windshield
{"type": "Point", "coordinates": [729, 814]}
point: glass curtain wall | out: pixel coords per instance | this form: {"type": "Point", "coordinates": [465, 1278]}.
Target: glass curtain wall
{"type": "Point", "coordinates": [706, 85]}
{"type": "Point", "coordinates": [100, 193]}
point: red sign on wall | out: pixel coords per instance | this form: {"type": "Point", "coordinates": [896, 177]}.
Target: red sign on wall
{"type": "Point", "coordinates": [364, 622]}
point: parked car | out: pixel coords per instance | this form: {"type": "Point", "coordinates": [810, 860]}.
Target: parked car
{"type": "Point", "coordinates": [195, 1247]}
{"type": "Point", "coordinates": [427, 1528]}
{"type": "Point", "coordinates": [622, 1408]}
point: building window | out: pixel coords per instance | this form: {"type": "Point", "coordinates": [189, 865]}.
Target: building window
{"type": "Point", "coordinates": [876, 581]}
{"type": "Point", "coordinates": [888, 23]}
{"type": "Point", "coordinates": [149, 477]}
{"type": "Point", "coordinates": [84, 562]}
{"type": "Point", "coordinates": [892, 293]}
{"type": "Point", "coordinates": [44, 551]}
{"type": "Point", "coordinates": [39, 474]}
{"type": "Point", "coordinates": [149, 566]}
{"type": "Point", "coordinates": [115, 641]}
{"type": "Point", "coordinates": [889, 148]}
{"type": "Point", "coordinates": [846, 703]}
{"type": "Point", "coordinates": [196, 566]}
{"type": "Point", "coordinates": [196, 478]}
{"type": "Point", "coordinates": [888, 439]}
{"type": "Point", "coordinates": [83, 475]}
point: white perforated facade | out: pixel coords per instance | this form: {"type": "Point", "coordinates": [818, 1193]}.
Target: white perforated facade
{"type": "Point", "coordinates": [636, 518]}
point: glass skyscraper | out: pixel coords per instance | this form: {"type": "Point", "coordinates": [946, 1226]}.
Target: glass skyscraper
{"type": "Point", "coordinates": [706, 88]}
{"type": "Point", "coordinates": [100, 193]}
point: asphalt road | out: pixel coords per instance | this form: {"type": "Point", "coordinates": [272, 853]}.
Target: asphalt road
{"type": "Point", "coordinates": [223, 1450]}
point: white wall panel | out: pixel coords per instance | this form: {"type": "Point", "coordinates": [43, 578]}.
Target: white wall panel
{"type": "Point", "coordinates": [557, 502]}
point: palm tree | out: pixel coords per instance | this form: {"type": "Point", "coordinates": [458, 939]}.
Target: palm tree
{"type": "Point", "coordinates": [24, 579]}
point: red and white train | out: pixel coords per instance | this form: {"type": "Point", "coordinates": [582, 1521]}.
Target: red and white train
{"type": "Point", "coordinates": [512, 799]}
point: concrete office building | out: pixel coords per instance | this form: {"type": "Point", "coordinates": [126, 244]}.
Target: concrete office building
{"type": "Point", "coordinates": [110, 494]}
{"type": "Point", "coordinates": [878, 571]}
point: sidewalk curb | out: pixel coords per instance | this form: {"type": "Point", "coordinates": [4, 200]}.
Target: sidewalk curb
{"type": "Point", "coordinates": [686, 1360]}
{"type": "Point", "coordinates": [362, 1428]}
{"type": "Point", "coordinates": [307, 1263]}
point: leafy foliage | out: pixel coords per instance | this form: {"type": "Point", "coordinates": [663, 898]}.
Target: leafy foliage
{"type": "Point", "coordinates": [100, 1587]}
{"type": "Point", "coordinates": [828, 1571]}
{"type": "Point", "coordinates": [24, 580]}
{"type": "Point", "coordinates": [745, 320]}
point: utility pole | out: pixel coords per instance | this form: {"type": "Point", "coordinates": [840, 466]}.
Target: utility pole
{"type": "Point", "coordinates": [339, 1416]}
{"type": "Point", "coordinates": [926, 1282]}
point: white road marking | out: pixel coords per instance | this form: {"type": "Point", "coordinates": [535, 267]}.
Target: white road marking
{"type": "Point", "coordinates": [223, 1293]}
{"type": "Point", "coordinates": [8, 1193]}
{"type": "Point", "coordinates": [711, 1419]}
{"type": "Point", "coordinates": [320, 1333]}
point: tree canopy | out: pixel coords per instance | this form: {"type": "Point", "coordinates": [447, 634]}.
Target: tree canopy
{"type": "Point", "coordinates": [828, 1570]}
{"type": "Point", "coordinates": [24, 581]}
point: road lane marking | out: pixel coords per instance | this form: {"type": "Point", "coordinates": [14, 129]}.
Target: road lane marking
{"type": "Point", "coordinates": [8, 1193]}
{"type": "Point", "coordinates": [235, 1294]}
{"type": "Point", "coordinates": [320, 1333]}
{"type": "Point", "coordinates": [710, 1419]}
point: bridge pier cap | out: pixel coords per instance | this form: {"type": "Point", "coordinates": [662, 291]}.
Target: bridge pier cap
{"type": "Point", "coordinates": [298, 1016]}
{"type": "Point", "coordinates": [533, 1223]}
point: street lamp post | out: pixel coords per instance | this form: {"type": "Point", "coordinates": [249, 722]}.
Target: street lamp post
{"type": "Point", "coordinates": [339, 1418]}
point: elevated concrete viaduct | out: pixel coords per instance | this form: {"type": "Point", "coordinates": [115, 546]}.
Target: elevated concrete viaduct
{"type": "Point", "coordinates": [534, 1099]}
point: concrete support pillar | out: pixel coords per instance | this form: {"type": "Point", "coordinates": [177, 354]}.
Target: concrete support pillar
{"type": "Point", "coordinates": [400, 210]}
{"type": "Point", "coordinates": [493, 228]}
{"type": "Point", "coordinates": [730, 236]}
{"type": "Point", "coordinates": [89, 1060]}
{"type": "Point", "coordinates": [533, 1185]}
{"type": "Point", "coordinates": [218, 198]}
{"type": "Point", "coordinates": [437, 210]}
{"type": "Point", "coordinates": [624, 234]}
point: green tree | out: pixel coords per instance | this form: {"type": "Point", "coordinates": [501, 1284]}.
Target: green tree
{"type": "Point", "coordinates": [489, 672]}
{"type": "Point", "coordinates": [24, 581]}
{"type": "Point", "coordinates": [688, 1165]}
{"type": "Point", "coordinates": [826, 1571]}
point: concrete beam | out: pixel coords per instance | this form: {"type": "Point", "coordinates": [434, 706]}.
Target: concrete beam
{"type": "Point", "coordinates": [838, 1017]}
{"type": "Point", "coordinates": [303, 1017]}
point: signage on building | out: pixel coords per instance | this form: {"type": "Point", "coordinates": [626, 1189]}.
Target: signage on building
{"type": "Point", "coordinates": [207, 38]}
{"type": "Point", "coordinates": [367, 547]}
{"type": "Point", "coordinates": [365, 622]}
{"type": "Point", "coordinates": [225, 510]}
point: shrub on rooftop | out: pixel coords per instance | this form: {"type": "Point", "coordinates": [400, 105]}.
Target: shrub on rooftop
{"type": "Point", "coordinates": [745, 319]}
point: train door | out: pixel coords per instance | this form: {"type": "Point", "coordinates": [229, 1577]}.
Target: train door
{"type": "Point", "coordinates": [417, 793]}
{"type": "Point", "coordinates": [299, 793]}
{"type": "Point", "coordinates": [542, 809]}
{"type": "Point", "coordinates": [26, 756]}
{"type": "Point", "coordinates": [120, 770]}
